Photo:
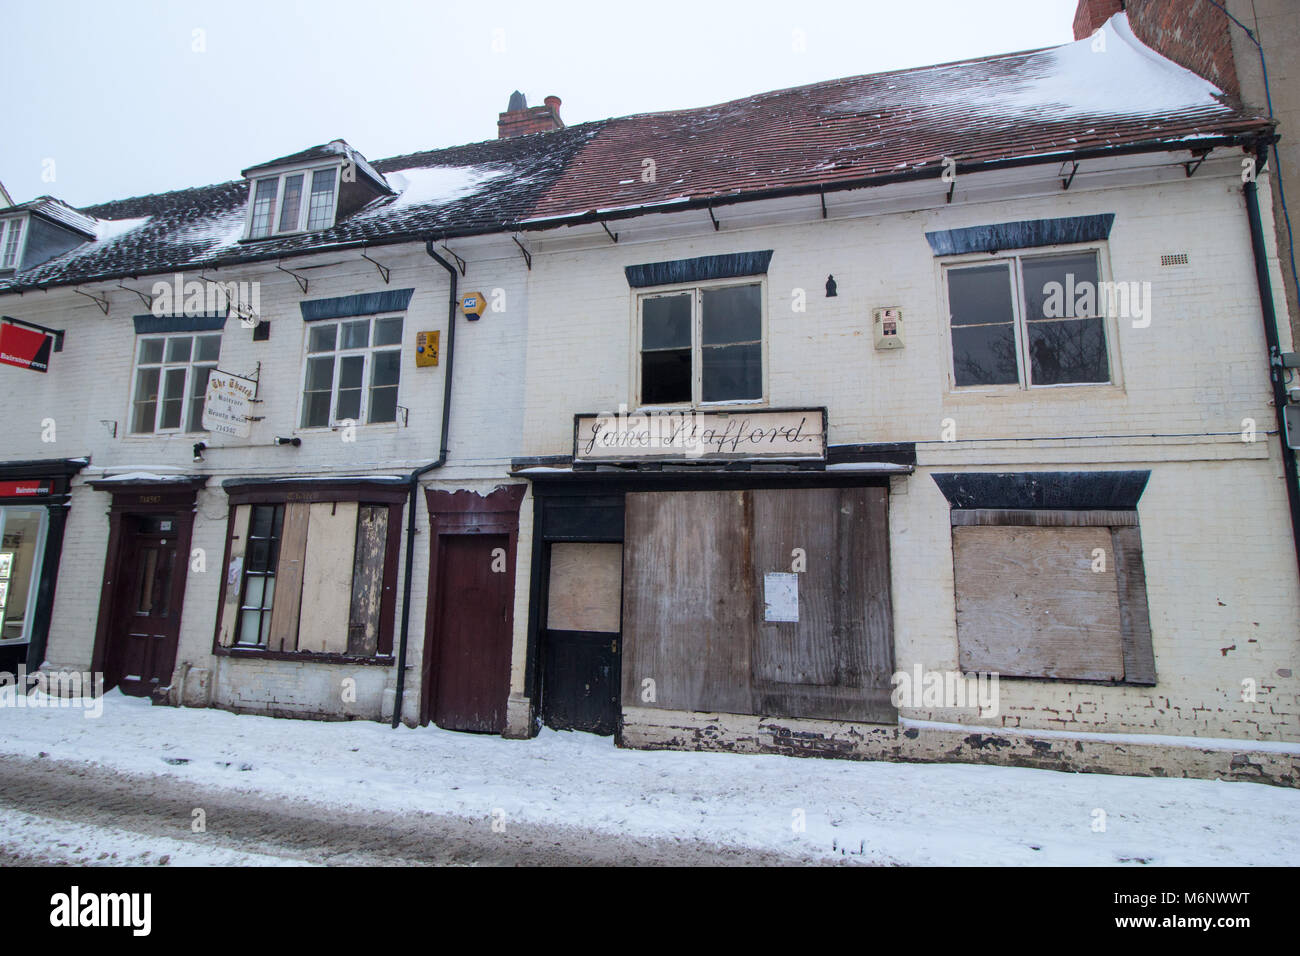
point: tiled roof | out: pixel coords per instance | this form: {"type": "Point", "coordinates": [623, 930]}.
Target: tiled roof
{"type": "Point", "coordinates": [1042, 104]}
{"type": "Point", "coordinates": [1052, 101]}
{"type": "Point", "coordinates": [486, 185]}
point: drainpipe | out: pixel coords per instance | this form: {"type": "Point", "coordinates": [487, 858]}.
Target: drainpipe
{"type": "Point", "coordinates": [414, 479]}
{"type": "Point", "coordinates": [1270, 336]}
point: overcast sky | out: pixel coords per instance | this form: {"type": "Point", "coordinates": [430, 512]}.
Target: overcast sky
{"type": "Point", "coordinates": [121, 99]}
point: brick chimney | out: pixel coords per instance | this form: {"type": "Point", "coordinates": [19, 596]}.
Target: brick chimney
{"type": "Point", "coordinates": [1192, 33]}
{"type": "Point", "coordinates": [519, 119]}
{"type": "Point", "coordinates": [1091, 14]}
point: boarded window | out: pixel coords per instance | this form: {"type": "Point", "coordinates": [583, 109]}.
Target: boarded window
{"type": "Point", "coordinates": [1050, 600]}
{"type": "Point", "coordinates": [308, 577]}
{"type": "Point", "coordinates": [586, 588]}
{"type": "Point", "coordinates": [697, 603]}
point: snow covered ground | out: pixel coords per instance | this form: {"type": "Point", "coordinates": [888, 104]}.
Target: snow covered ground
{"type": "Point", "coordinates": [864, 812]}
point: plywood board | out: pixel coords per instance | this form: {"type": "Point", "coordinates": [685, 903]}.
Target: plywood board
{"type": "Point", "coordinates": [327, 577]}
{"type": "Point", "coordinates": [1030, 604]}
{"type": "Point", "coordinates": [688, 601]}
{"type": "Point", "coordinates": [288, 579]}
{"type": "Point", "coordinates": [586, 588]}
{"type": "Point", "coordinates": [368, 580]}
{"type": "Point", "coordinates": [234, 572]}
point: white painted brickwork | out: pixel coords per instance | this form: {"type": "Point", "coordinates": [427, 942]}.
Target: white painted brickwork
{"type": "Point", "coordinates": [1222, 582]}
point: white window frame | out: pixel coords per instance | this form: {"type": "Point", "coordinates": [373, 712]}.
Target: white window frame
{"type": "Point", "coordinates": [307, 172]}
{"type": "Point", "coordinates": [34, 579]}
{"type": "Point", "coordinates": [366, 369]}
{"type": "Point", "coordinates": [163, 366]}
{"type": "Point", "coordinates": [697, 349]}
{"type": "Point", "coordinates": [1019, 322]}
{"type": "Point", "coordinates": [7, 225]}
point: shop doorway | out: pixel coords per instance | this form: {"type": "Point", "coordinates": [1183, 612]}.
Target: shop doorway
{"type": "Point", "coordinates": [146, 622]}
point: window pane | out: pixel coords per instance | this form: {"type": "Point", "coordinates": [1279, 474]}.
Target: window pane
{"type": "Point", "coordinates": [264, 206]}
{"type": "Point", "coordinates": [356, 335]}
{"type": "Point", "coordinates": [259, 554]}
{"type": "Point", "coordinates": [316, 393]}
{"type": "Point", "coordinates": [388, 331]}
{"type": "Point", "coordinates": [1071, 350]}
{"type": "Point", "coordinates": [1061, 286]}
{"type": "Point", "coordinates": [173, 401]}
{"type": "Point", "coordinates": [666, 322]}
{"type": "Point", "coordinates": [984, 355]}
{"type": "Point", "coordinates": [666, 377]}
{"type": "Point", "coordinates": [983, 334]}
{"type": "Point", "coordinates": [980, 295]}
{"type": "Point", "coordinates": [260, 527]}
{"type": "Point", "coordinates": [386, 367]}
{"type": "Point", "coordinates": [291, 203]}
{"type": "Point", "coordinates": [254, 588]}
{"type": "Point", "coordinates": [321, 338]}
{"type": "Point", "coordinates": [151, 351]}
{"type": "Point", "coordinates": [146, 400]}
{"type": "Point", "coordinates": [198, 389]}
{"type": "Point", "coordinates": [12, 236]}
{"type": "Point", "coordinates": [178, 349]}
{"type": "Point", "coordinates": [249, 623]}
{"type": "Point", "coordinates": [383, 404]}
{"type": "Point", "coordinates": [350, 372]}
{"type": "Point", "coordinates": [207, 348]}
{"type": "Point", "coordinates": [732, 315]}
{"type": "Point", "coordinates": [320, 213]}
{"type": "Point", "coordinates": [732, 373]}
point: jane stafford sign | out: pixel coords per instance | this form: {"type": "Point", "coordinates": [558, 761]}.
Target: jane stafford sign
{"type": "Point", "coordinates": [226, 403]}
{"type": "Point", "coordinates": [787, 433]}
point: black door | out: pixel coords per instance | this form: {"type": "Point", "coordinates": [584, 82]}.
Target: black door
{"type": "Point", "coordinates": [582, 637]}
{"type": "Point", "coordinates": [580, 675]}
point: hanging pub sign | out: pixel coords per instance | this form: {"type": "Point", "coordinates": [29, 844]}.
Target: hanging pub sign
{"type": "Point", "coordinates": [774, 434]}
{"type": "Point", "coordinates": [26, 345]}
{"type": "Point", "coordinates": [226, 403]}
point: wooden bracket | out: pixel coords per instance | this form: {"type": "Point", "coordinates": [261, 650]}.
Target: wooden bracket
{"type": "Point", "coordinates": [716, 224]}
{"type": "Point", "coordinates": [1200, 156]}
{"type": "Point", "coordinates": [822, 193]}
{"type": "Point", "coordinates": [605, 226]}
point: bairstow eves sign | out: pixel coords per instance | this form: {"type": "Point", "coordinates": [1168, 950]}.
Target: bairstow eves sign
{"type": "Point", "coordinates": [773, 434]}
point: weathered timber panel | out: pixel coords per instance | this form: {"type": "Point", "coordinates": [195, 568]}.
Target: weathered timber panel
{"type": "Point", "coordinates": [327, 577]}
{"type": "Point", "coordinates": [837, 660]}
{"type": "Point", "coordinates": [586, 588]}
{"type": "Point", "coordinates": [368, 580]}
{"type": "Point", "coordinates": [1029, 603]}
{"type": "Point", "coordinates": [288, 579]}
{"type": "Point", "coordinates": [229, 623]}
{"type": "Point", "coordinates": [1135, 619]}
{"type": "Point", "coordinates": [688, 600]}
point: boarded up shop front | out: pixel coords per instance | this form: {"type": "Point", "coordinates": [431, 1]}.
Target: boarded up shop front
{"type": "Point", "coordinates": [724, 581]}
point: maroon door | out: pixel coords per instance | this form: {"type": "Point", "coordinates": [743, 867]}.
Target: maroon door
{"type": "Point", "coordinates": [469, 678]}
{"type": "Point", "coordinates": [146, 625]}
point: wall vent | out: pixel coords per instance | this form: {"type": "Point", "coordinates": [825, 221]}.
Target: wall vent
{"type": "Point", "coordinates": [1176, 259]}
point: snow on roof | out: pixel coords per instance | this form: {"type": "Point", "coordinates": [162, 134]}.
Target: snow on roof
{"type": "Point", "coordinates": [437, 185]}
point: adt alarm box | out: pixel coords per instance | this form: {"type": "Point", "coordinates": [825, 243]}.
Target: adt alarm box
{"type": "Point", "coordinates": [473, 305]}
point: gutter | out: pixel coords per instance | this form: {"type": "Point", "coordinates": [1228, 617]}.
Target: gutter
{"type": "Point", "coordinates": [1269, 317]}
{"type": "Point", "coordinates": [1169, 145]}
{"type": "Point", "coordinates": [414, 481]}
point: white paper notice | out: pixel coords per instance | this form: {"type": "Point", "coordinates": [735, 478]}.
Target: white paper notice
{"type": "Point", "coordinates": [780, 596]}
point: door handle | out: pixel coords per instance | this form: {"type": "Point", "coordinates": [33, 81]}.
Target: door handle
{"type": "Point", "coordinates": [613, 647]}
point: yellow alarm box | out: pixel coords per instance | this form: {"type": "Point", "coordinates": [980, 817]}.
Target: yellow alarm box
{"type": "Point", "coordinates": [473, 305]}
{"type": "Point", "coordinates": [426, 348]}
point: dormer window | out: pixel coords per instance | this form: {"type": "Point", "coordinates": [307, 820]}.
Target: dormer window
{"type": "Point", "coordinates": [11, 242]}
{"type": "Point", "coordinates": [286, 203]}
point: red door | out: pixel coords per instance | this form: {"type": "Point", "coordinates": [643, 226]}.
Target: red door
{"type": "Point", "coordinates": [146, 626]}
{"type": "Point", "coordinates": [469, 655]}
